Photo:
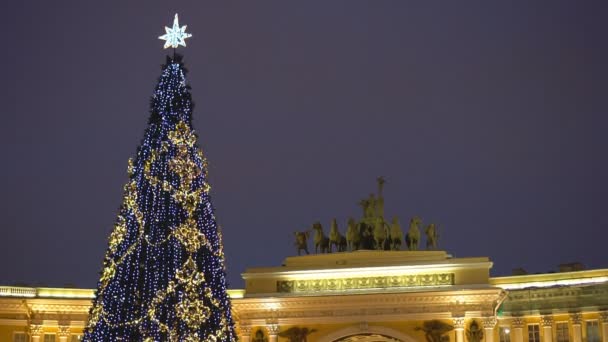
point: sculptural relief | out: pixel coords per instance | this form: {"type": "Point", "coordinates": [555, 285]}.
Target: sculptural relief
{"type": "Point", "coordinates": [260, 336]}
{"type": "Point", "coordinates": [474, 333]}
{"type": "Point", "coordinates": [435, 330]}
{"type": "Point", "coordinates": [297, 334]}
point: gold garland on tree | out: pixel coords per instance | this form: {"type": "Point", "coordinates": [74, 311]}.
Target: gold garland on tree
{"type": "Point", "coordinates": [190, 307]}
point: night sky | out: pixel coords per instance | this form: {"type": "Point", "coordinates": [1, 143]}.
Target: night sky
{"type": "Point", "coordinates": [489, 119]}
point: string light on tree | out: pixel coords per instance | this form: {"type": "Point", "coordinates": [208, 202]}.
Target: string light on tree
{"type": "Point", "coordinates": [175, 36]}
{"type": "Point", "coordinates": [163, 275]}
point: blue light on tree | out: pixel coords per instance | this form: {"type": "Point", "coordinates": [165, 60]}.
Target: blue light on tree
{"type": "Point", "coordinates": [163, 276]}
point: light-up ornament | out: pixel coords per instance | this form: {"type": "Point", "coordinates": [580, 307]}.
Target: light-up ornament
{"type": "Point", "coordinates": [175, 36]}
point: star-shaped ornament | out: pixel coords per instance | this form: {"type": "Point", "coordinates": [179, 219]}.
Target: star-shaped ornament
{"type": "Point", "coordinates": [175, 36]}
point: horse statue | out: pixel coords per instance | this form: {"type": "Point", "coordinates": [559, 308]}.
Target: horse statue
{"type": "Point", "coordinates": [335, 238]}
{"type": "Point", "coordinates": [366, 235]}
{"type": "Point", "coordinates": [352, 235]}
{"type": "Point", "coordinates": [321, 241]}
{"type": "Point", "coordinates": [396, 235]}
{"type": "Point", "coordinates": [431, 236]}
{"type": "Point", "coordinates": [302, 241]}
{"type": "Point", "coordinates": [413, 234]}
{"type": "Point", "coordinates": [380, 233]}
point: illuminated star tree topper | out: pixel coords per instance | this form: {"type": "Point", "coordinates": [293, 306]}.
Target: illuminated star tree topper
{"type": "Point", "coordinates": [175, 36]}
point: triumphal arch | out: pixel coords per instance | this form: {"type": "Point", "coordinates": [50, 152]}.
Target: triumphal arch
{"type": "Point", "coordinates": [373, 296]}
{"type": "Point", "coordinates": [369, 296]}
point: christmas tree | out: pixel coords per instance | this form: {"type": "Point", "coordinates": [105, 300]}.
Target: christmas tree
{"type": "Point", "coordinates": [163, 276]}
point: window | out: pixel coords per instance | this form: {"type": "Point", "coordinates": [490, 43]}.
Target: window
{"type": "Point", "coordinates": [561, 332]}
{"type": "Point", "coordinates": [49, 337]}
{"type": "Point", "coordinates": [533, 333]}
{"type": "Point", "coordinates": [504, 334]}
{"type": "Point", "coordinates": [593, 331]}
{"type": "Point", "coordinates": [19, 337]}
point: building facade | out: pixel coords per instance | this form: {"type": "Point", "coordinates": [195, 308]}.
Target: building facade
{"type": "Point", "coordinates": [366, 296]}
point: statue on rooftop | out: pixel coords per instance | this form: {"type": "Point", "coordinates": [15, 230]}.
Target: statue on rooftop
{"type": "Point", "coordinates": [352, 235]}
{"type": "Point", "coordinates": [379, 209]}
{"type": "Point", "coordinates": [321, 240]}
{"type": "Point", "coordinates": [396, 235]}
{"type": "Point", "coordinates": [302, 241]}
{"type": "Point", "coordinates": [335, 238]}
{"type": "Point", "coordinates": [370, 211]}
{"type": "Point", "coordinates": [380, 233]}
{"type": "Point", "coordinates": [412, 237]}
{"type": "Point", "coordinates": [431, 237]}
{"type": "Point", "coordinates": [364, 204]}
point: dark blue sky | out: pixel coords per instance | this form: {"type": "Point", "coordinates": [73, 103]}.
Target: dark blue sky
{"type": "Point", "coordinates": [487, 118]}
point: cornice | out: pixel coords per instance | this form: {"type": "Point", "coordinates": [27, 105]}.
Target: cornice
{"type": "Point", "coordinates": [337, 272]}
{"type": "Point", "coordinates": [387, 306]}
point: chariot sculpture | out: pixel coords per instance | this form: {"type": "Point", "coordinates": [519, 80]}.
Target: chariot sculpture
{"type": "Point", "coordinates": [371, 232]}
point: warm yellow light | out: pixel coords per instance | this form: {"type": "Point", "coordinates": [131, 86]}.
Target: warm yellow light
{"type": "Point", "coordinates": [273, 305]}
{"type": "Point", "coordinates": [549, 283]}
{"type": "Point", "coordinates": [240, 293]}
{"type": "Point", "coordinates": [17, 291]}
{"type": "Point", "coordinates": [48, 292]}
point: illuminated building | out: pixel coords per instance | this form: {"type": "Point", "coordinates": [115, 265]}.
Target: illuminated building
{"type": "Point", "coordinates": [365, 296]}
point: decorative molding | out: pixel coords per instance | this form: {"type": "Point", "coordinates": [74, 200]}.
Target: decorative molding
{"type": "Point", "coordinates": [364, 326]}
{"type": "Point", "coordinates": [360, 283]}
{"type": "Point", "coordinates": [483, 300]}
{"type": "Point", "coordinates": [604, 316]}
{"type": "Point", "coordinates": [371, 329]}
{"type": "Point", "coordinates": [245, 330]}
{"type": "Point", "coordinates": [64, 331]}
{"type": "Point", "coordinates": [35, 330]}
{"type": "Point", "coordinates": [546, 321]}
{"type": "Point", "coordinates": [489, 322]}
{"type": "Point", "coordinates": [576, 318]}
{"type": "Point", "coordinates": [518, 323]}
{"type": "Point", "coordinates": [459, 323]}
{"type": "Point", "coordinates": [273, 329]}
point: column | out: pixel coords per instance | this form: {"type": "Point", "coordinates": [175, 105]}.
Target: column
{"type": "Point", "coordinates": [517, 329]}
{"type": "Point", "coordinates": [488, 326]}
{"type": "Point", "coordinates": [577, 332]}
{"type": "Point", "coordinates": [459, 328]}
{"type": "Point", "coordinates": [604, 322]}
{"type": "Point", "coordinates": [245, 332]}
{"type": "Point", "coordinates": [546, 323]}
{"type": "Point", "coordinates": [273, 330]}
{"type": "Point", "coordinates": [35, 332]}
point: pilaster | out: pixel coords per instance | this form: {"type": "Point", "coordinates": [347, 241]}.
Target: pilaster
{"type": "Point", "coordinates": [244, 332]}
{"type": "Point", "coordinates": [546, 323]}
{"type": "Point", "coordinates": [459, 324]}
{"type": "Point", "coordinates": [517, 329]}
{"type": "Point", "coordinates": [273, 330]}
{"type": "Point", "coordinates": [488, 326]}
{"type": "Point", "coordinates": [577, 332]}
{"type": "Point", "coordinates": [36, 332]}
{"type": "Point", "coordinates": [604, 322]}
